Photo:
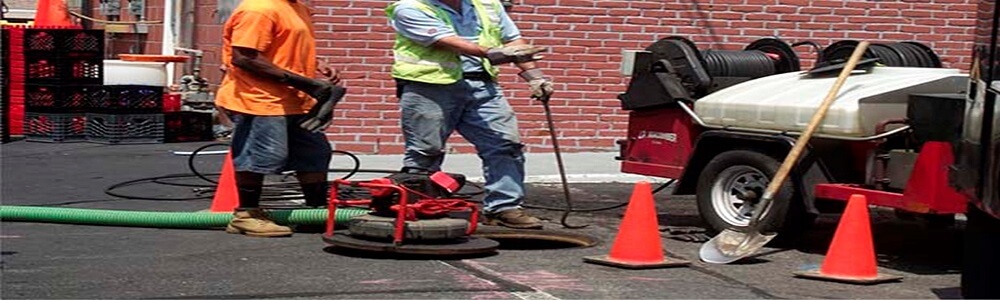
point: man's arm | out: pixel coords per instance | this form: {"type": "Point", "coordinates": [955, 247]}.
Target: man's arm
{"type": "Point", "coordinates": [459, 45]}
{"type": "Point", "coordinates": [251, 61]}
{"type": "Point", "coordinates": [524, 65]}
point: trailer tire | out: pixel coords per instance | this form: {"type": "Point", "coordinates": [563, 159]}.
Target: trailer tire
{"type": "Point", "coordinates": [739, 169]}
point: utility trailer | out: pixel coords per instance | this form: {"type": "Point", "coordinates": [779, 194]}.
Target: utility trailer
{"type": "Point", "coordinates": [906, 133]}
{"type": "Point", "coordinates": [717, 123]}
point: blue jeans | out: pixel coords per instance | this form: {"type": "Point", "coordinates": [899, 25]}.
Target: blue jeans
{"type": "Point", "coordinates": [272, 144]}
{"type": "Point", "coordinates": [478, 110]}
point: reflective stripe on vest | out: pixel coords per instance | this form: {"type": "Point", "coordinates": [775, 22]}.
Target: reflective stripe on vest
{"type": "Point", "coordinates": [425, 64]}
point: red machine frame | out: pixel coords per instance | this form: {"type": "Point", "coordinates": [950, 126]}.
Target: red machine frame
{"type": "Point", "coordinates": [404, 210]}
{"type": "Point", "coordinates": [661, 143]}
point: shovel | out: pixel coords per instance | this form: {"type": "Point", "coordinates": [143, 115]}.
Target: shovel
{"type": "Point", "coordinates": [731, 245]}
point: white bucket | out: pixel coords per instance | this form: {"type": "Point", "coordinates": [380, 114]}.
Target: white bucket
{"type": "Point", "coordinates": [118, 72]}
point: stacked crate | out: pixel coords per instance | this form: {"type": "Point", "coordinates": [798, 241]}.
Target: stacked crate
{"type": "Point", "coordinates": [4, 87]}
{"type": "Point", "coordinates": [12, 50]}
{"type": "Point", "coordinates": [62, 75]}
{"type": "Point", "coordinates": [185, 126]}
{"type": "Point", "coordinates": [127, 114]}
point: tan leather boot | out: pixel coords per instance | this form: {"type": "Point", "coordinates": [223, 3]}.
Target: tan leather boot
{"type": "Point", "coordinates": [513, 218]}
{"type": "Point", "coordinates": [255, 222]}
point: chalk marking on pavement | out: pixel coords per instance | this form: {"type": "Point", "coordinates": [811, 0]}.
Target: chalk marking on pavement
{"type": "Point", "coordinates": [514, 287]}
{"type": "Point", "coordinates": [534, 296]}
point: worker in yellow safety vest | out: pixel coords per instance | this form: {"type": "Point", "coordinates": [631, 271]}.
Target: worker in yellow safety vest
{"type": "Point", "coordinates": [446, 58]}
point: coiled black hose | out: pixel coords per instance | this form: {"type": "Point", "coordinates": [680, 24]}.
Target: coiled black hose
{"type": "Point", "coordinates": [903, 54]}
{"type": "Point", "coordinates": [726, 63]}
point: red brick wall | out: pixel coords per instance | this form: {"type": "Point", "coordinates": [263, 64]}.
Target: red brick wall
{"type": "Point", "coordinates": [586, 39]}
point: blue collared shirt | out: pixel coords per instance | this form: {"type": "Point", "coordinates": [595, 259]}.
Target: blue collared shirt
{"type": "Point", "coordinates": [425, 29]}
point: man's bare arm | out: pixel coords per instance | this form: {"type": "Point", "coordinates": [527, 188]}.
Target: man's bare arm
{"type": "Point", "coordinates": [517, 53]}
{"type": "Point", "coordinates": [525, 65]}
{"type": "Point", "coordinates": [251, 61]}
{"type": "Point", "coordinates": [462, 46]}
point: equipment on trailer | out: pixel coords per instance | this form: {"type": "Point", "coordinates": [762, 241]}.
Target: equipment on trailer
{"type": "Point", "coordinates": [722, 130]}
{"type": "Point", "coordinates": [412, 213]}
{"type": "Point", "coordinates": [731, 245]}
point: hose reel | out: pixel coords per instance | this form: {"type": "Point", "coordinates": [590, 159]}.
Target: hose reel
{"type": "Point", "coordinates": [902, 54]}
{"type": "Point", "coordinates": [705, 71]}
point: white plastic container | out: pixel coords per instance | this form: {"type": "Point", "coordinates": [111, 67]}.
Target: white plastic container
{"type": "Point", "coordinates": [119, 72]}
{"type": "Point", "coordinates": [788, 101]}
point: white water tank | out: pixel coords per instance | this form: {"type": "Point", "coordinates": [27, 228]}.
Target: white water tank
{"type": "Point", "coordinates": [119, 72]}
{"type": "Point", "coordinates": [788, 101]}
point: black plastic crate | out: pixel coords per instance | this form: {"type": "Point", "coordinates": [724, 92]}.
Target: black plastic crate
{"type": "Point", "coordinates": [129, 99]}
{"type": "Point", "coordinates": [125, 128]}
{"type": "Point", "coordinates": [188, 126]}
{"type": "Point", "coordinates": [54, 127]}
{"type": "Point", "coordinates": [44, 69]}
{"type": "Point", "coordinates": [80, 41]}
{"type": "Point", "coordinates": [64, 42]}
{"type": "Point", "coordinates": [50, 98]}
{"type": "Point", "coordinates": [41, 40]}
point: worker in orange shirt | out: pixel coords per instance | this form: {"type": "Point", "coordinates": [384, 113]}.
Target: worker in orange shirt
{"type": "Point", "coordinates": [279, 111]}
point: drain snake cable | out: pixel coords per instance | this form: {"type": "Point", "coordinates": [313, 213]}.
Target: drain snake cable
{"type": "Point", "coordinates": [276, 191]}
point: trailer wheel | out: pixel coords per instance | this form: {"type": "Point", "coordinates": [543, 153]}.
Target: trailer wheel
{"type": "Point", "coordinates": [732, 172]}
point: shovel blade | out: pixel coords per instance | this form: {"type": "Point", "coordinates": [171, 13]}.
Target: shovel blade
{"type": "Point", "coordinates": [729, 246]}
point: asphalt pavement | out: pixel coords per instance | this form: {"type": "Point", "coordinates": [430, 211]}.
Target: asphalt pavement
{"type": "Point", "coordinates": [41, 260]}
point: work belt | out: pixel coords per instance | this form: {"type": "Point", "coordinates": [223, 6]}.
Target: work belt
{"type": "Point", "coordinates": [480, 76]}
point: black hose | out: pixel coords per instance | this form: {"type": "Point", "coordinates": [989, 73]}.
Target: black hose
{"type": "Point", "coordinates": [816, 48]}
{"type": "Point", "coordinates": [272, 191]}
{"type": "Point", "coordinates": [272, 188]}
{"type": "Point", "coordinates": [750, 63]}
{"type": "Point", "coordinates": [619, 205]}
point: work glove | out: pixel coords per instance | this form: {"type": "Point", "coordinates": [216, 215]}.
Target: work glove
{"type": "Point", "coordinates": [540, 87]}
{"type": "Point", "coordinates": [320, 115]}
{"type": "Point", "coordinates": [326, 94]}
{"type": "Point", "coordinates": [515, 54]}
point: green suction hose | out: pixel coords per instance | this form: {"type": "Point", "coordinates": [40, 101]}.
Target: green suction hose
{"type": "Point", "coordinates": [189, 220]}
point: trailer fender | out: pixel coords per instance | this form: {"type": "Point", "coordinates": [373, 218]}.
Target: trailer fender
{"type": "Point", "coordinates": [806, 174]}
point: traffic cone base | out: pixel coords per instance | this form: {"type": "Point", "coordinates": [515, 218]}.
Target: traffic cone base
{"type": "Point", "coordinates": [817, 275]}
{"type": "Point", "coordinates": [638, 244]}
{"type": "Point", "coordinates": [608, 261]}
{"type": "Point", "coordinates": [851, 256]}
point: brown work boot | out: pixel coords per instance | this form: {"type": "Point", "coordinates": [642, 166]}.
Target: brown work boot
{"type": "Point", "coordinates": [255, 222]}
{"type": "Point", "coordinates": [513, 218]}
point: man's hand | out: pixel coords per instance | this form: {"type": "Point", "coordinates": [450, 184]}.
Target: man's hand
{"type": "Point", "coordinates": [541, 87]}
{"type": "Point", "coordinates": [320, 115]}
{"type": "Point", "coordinates": [331, 73]}
{"type": "Point", "coordinates": [514, 54]}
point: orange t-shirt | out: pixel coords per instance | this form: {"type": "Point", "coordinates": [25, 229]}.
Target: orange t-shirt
{"type": "Point", "coordinates": [283, 33]}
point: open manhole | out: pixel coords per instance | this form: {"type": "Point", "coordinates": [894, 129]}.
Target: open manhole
{"type": "Point", "coordinates": [534, 239]}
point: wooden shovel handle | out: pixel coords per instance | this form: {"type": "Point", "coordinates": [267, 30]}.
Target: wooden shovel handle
{"type": "Point", "coordinates": [817, 118]}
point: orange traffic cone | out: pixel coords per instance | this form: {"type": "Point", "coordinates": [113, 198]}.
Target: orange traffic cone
{"type": "Point", "coordinates": [52, 13]}
{"type": "Point", "coordinates": [226, 198]}
{"type": "Point", "coordinates": [851, 256]}
{"type": "Point", "coordinates": [637, 245]}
